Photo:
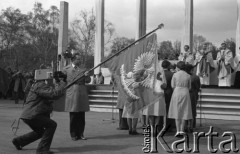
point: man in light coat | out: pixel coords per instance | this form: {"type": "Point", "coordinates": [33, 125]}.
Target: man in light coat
{"type": "Point", "coordinates": [187, 56]}
{"type": "Point", "coordinates": [77, 102]}
{"type": "Point", "coordinates": [205, 64]}
{"type": "Point", "coordinates": [225, 66]}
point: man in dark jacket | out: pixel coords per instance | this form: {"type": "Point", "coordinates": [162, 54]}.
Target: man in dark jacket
{"type": "Point", "coordinates": [168, 92]}
{"type": "Point", "coordinates": [36, 114]}
{"type": "Point", "coordinates": [195, 88]}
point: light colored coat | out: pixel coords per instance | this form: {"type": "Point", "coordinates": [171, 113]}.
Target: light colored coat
{"type": "Point", "coordinates": [77, 95]}
{"type": "Point", "coordinates": [226, 64]}
{"type": "Point", "coordinates": [187, 57]}
{"type": "Point", "coordinates": [225, 67]}
{"type": "Point", "coordinates": [180, 105]}
{"type": "Point", "coordinates": [205, 66]}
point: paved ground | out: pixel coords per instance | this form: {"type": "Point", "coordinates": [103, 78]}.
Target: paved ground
{"type": "Point", "coordinates": [102, 135]}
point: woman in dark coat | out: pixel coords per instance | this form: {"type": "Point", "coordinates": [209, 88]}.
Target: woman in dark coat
{"type": "Point", "coordinates": [19, 85]}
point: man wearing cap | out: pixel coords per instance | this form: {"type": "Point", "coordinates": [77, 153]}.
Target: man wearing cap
{"type": "Point", "coordinates": [77, 102]}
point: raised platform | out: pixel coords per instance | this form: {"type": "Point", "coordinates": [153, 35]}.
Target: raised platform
{"type": "Point", "coordinates": [219, 103]}
{"type": "Point", "coordinates": [214, 102]}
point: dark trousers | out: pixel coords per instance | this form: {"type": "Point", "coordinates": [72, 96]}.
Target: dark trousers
{"type": "Point", "coordinates": [237, 80]}
{"type": "Point", "coordinates": [77, 123]}
{"type": "Point", "coordinates": [43, 127]}
{"type": "Point", "coordinates": [122, 121]}
{"type": "Point", "coordinates": [168, 122]}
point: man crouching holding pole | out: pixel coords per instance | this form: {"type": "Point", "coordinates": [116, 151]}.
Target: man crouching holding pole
{"type": "Point", "coordinates": [37, 110]}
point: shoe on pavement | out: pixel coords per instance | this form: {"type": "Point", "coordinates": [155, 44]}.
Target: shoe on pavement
{"type": "Point", "coordinates": [45, 152]}
{"type": "Point", "coordinates": [82, 138]}
{"type": "Point", "coordinates": [134, 133]}
{"type": "Point", "coordinates": [75, 138]}
{"type": "Point", "coordinates": [16, 144]}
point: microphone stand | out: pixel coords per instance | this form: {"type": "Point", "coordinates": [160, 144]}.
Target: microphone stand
{"type": "Point", "coordinates": [112, 98]}
{"type": "Point", "coordinates": [200, 106]}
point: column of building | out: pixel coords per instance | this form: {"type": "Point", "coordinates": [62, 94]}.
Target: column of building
{"type": "Point", "coordinates": [99, 35]}
{"type": "Point", "coordinates": [238, 33]}
{"type": "Point", "coordinates": [62, 35]}
{"type": "Point", "coordinates": [187, 37]}
{"type": "Point", "coordinates": [141, 18]}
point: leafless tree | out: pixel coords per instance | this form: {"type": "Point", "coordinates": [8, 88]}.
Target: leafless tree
{"type": "Point", "coordinates": [83, 30]}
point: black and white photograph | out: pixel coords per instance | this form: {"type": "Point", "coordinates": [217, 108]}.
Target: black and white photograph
{"type": "Point", "coordinates": [119, 76]}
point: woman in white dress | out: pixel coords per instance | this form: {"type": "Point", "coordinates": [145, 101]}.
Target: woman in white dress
{"type": "Point", "coordinates": [157, 109]}
{"type": "Point", "coordinates": [180, 105]}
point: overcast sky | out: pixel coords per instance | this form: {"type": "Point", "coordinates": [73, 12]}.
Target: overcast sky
{"type": "Point", "coordinates": [214, 19]}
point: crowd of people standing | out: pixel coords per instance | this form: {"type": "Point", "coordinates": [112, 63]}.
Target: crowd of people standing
{"type": "Point", "coordinates": [17, 83]}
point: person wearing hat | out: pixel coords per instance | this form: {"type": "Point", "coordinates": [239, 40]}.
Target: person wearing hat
{"type": "Point", "coordinates": [180, 106]}
{"type": "Point", "coordinates": [225, 66]}
{"type": "Point", "coordinates": [77, 102]}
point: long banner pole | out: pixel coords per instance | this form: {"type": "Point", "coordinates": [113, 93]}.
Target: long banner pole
{"type": "Point", "coordinates": [82, 75]}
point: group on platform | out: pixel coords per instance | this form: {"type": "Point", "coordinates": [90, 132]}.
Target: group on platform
{"type": "Point", "coordinates": [205, 64]}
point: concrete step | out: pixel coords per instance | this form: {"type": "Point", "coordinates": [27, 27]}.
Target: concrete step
{"type": "Point", "coordinates": [218, 116]}
{"type": "Point", "coordinates": [225, 100]}
{"type": "Point", "coordinates": [103, 96]}
{"type": "Point", "coordinates": [103, 92]}
{"type": "Point", "coordinates": [221, 90]}
{"type": "Point", "coordinates": [219, 97]}
{"type": "Point", "coordinates": [220, 106]}
{"type": "Point", "coordinates": [219, 111]}
{"type": "Point", "coordinates": [103, 108]}
{"type": "Point", "coordinates": [219, 94]}
{"type": "Point", "coordinates": [102, 102]}
{"type": "Point", "coordinates": [221, 114]}
{"type": "Point", "coordinates": [101, 87]}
